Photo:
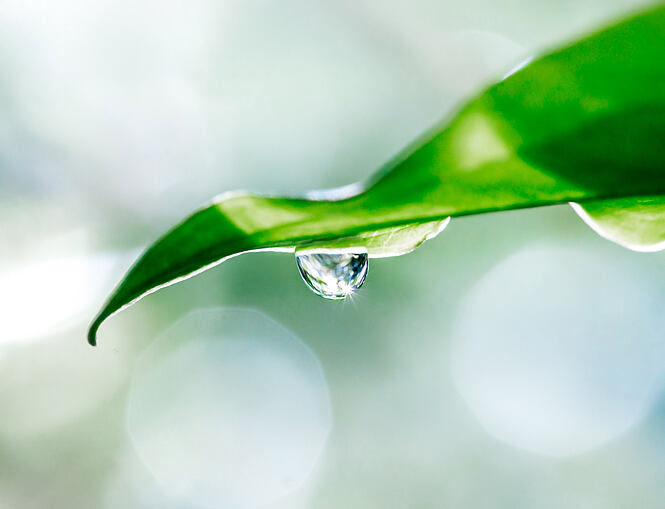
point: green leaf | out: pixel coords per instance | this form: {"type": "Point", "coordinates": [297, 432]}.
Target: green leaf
{"type": "Point", "coordinates": [635, 223]}
{"type": "Point", "coordinates": [582, 124]}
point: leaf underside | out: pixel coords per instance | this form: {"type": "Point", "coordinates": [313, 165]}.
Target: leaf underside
{"type": "Point", "coordinates": [584, 124]}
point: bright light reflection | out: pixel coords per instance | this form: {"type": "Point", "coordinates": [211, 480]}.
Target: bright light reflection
{"type": "Point", "coordinates": [477, 142]}
{"type": "Point", "coordinates": [229, 409]}
{"type": "Point", "coordinates": [559, 350]}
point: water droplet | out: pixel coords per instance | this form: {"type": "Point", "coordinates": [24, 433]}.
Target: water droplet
{"type": "Point", "coordinates": [333, 276]}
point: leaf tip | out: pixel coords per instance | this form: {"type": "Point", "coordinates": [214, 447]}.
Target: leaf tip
{"type": "Point", "coordinates": [92, 332]}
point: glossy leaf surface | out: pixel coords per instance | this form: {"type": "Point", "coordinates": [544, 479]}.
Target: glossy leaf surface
{"type": "Point", "coordinates": [582, 124]}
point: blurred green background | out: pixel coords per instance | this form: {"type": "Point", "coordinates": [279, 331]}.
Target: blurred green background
{"type": "Point", "coordinates": [516, 361]}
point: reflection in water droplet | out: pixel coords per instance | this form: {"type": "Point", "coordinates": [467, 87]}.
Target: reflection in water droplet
{"type": "Point", "coordinates": [333, 276]}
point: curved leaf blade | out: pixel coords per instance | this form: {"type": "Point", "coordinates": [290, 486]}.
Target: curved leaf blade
{"type": "Point", "coordinates": [582, 124]}
{"type": "Point", "coordinates": [634, 223]}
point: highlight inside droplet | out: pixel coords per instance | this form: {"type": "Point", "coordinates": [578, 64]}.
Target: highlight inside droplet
{"type": "Point", "coordinates": [333, 276]}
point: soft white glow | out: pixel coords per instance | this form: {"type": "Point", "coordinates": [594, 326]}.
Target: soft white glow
{"type": "Point", "coordinates": [44, 296]}
{"type": "Point", "coordinates": [229, 409]}
{"type": "Point", "coordinates": [559, 350]}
